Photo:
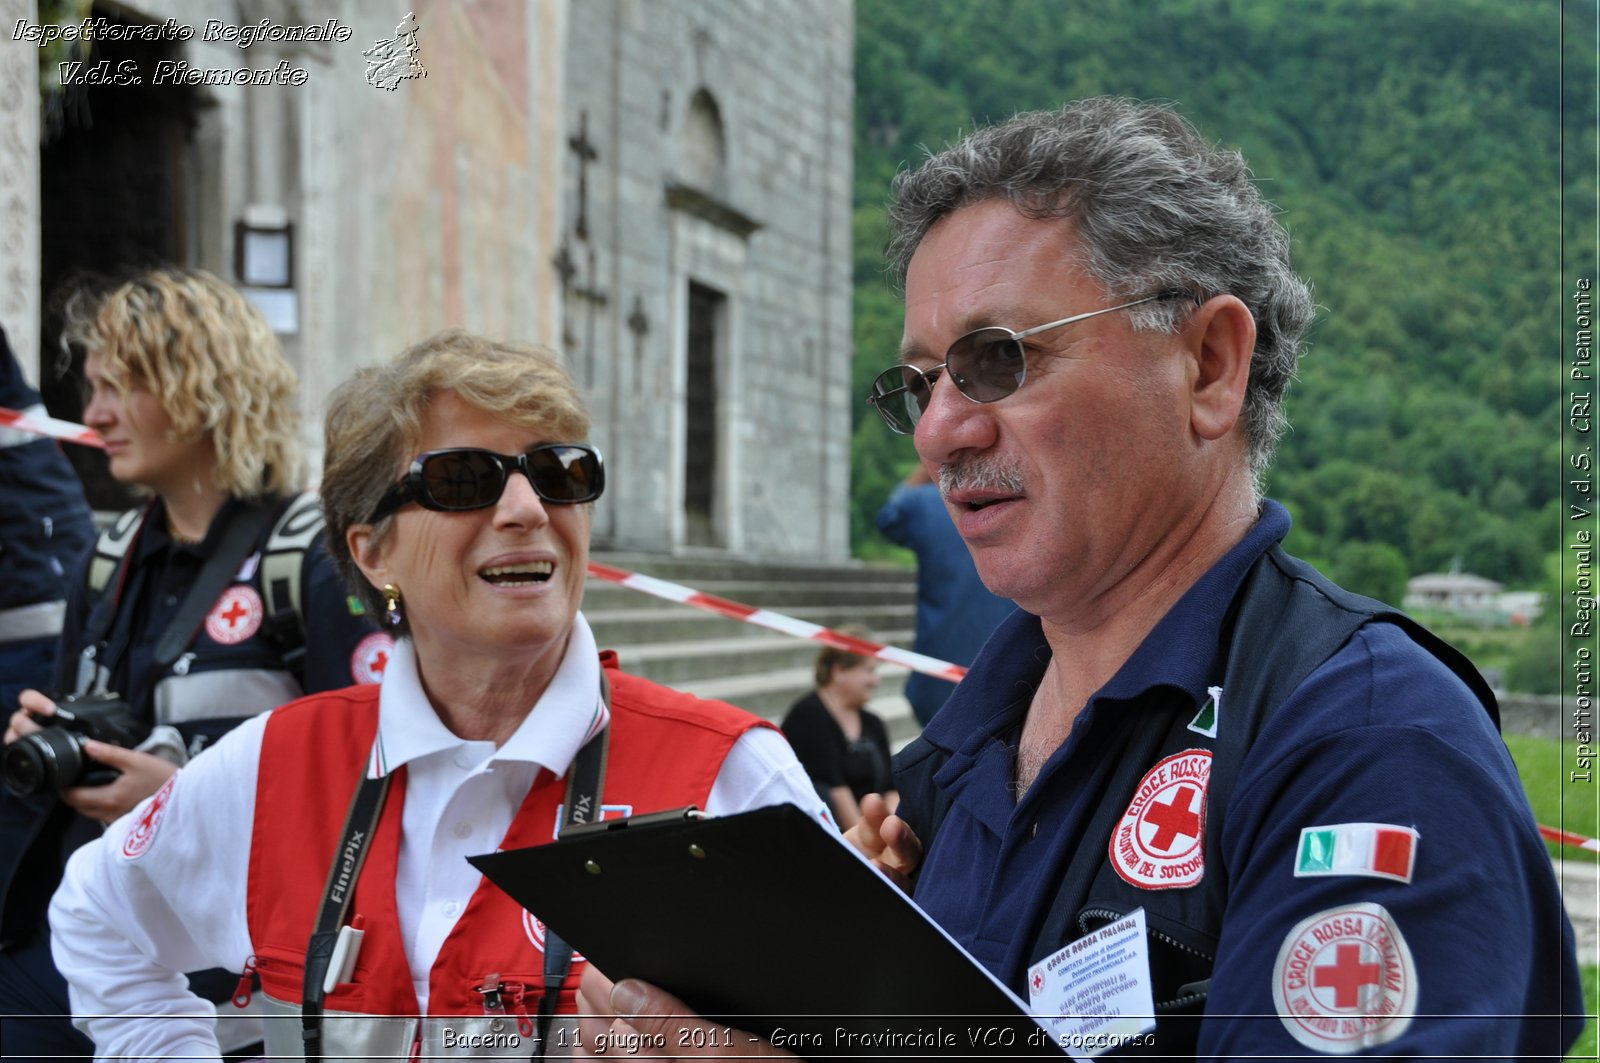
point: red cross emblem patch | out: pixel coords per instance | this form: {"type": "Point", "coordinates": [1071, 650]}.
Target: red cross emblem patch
{"type": "Point", "coordinates": [371, 657]}
{"type": "Point", "coordinates": [236, 616]}
{"type": "Point", "coordinates": [1158, 842]}
{"type": "Point", "coordinates": [1345, 979]}
{"type": "Point", "coordinates": [143, 831]}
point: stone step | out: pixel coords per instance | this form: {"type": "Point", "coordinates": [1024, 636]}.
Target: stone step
{"type": "Point", "coordinates": [677, 662]}
{"type": "Point", "coordinates": [757, 669]}
{"type": "Point", "coordinates": [688, 570]}
{"type": "Point", "coordinates": [772, 693]}
{"type": "Point", "coordinates": [624, 626]}
{"type": "Point", "coordinates": [769, 694]}
{"type": "Point", "coordinates": [781, 595]}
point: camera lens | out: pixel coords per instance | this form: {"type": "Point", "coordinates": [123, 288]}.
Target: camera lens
{"type": "Point", "coordinates": [48, 760]}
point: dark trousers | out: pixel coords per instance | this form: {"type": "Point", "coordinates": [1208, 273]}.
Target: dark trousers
{"type": "Point", "coordinates": [35, 1016]}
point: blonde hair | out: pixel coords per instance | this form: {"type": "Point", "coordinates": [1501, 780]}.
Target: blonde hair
{"type": "Point", "coordinates": [213, 361]}
{"type": "Point", "coordinates": [374, 422]}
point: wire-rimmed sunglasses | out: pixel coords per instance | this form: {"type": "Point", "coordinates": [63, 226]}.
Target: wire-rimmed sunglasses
{"type": "Point", "coordinates": [463, 478]}
{"type": "Point", "coordinates": [986, 365]}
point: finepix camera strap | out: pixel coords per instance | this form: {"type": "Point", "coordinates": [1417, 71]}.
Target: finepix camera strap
{"type": "Point", "coordinates": [585, 785]}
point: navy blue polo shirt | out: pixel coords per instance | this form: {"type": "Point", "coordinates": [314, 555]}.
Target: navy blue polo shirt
{"type": "Point", "coordinates": [159, 576]}
{"type": "Point", "coordinates": [1382, 733]}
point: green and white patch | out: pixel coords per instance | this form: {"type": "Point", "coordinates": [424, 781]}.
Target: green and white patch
{"type": "Point", "coordinates": [1205, 721]}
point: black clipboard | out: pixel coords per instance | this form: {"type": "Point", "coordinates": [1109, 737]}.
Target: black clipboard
{"type": "Point", "coordinates": [765, 922]}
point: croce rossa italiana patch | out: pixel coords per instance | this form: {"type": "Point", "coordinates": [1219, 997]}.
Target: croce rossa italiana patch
{"type": "Point", "coordinates": [1158, 844]}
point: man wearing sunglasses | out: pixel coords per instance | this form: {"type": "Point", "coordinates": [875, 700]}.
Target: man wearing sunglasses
{"type": "Point", "coordinates": [1303, 792]}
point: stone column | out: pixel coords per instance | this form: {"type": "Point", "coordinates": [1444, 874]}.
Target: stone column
{"type": "Point", "coordinates": [19, 186]}
{"type": "Point", "coordinates": [548, 26]}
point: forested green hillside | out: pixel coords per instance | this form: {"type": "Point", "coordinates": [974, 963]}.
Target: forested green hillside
{"type": "Point", "coordinates": [1415, 151]}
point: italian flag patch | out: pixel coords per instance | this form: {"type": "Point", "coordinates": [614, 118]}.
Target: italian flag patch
{"type": "Point", "coordinates": [1378, 850]}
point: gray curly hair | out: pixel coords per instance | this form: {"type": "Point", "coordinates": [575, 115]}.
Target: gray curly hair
{"type": "Point", "coordinates": [1155, 207]}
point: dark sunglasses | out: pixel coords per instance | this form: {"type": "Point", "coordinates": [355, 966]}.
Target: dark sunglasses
{"type": "Point", "coordinates": [986, 365]}
{"type": "Point", "coordinates": [464, 478]}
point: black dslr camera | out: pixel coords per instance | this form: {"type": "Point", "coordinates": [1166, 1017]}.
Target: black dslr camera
{"type": "Point", "coordinates": [53, 759]}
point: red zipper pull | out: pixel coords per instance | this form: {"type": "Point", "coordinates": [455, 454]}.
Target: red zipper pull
{"type": "Point", "coordinates": [243, 991]}
{"type": "Point", "coordinates": [516, 991]}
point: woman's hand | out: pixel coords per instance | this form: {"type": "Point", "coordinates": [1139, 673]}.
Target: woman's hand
{"type": "Point", "coordinates": [613, 1017]}
{"type": "Point", "coordinates": [887, 840]}
{"type": "Point", "coordinates": [142, 775]}
{"type": "Point", "coordinates": [21, 724]}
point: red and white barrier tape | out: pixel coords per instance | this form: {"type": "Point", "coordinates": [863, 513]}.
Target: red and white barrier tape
{"type": "Point", "coordinates": [1562, 837]}
{"type": "Point", "coordinates": [41, 425]}
{"type": "Point", "coordinates": [776, 622]}
{"type": "Point", "coordinates": [674, 592]}
{"type": "Point", "coordinates": [915, 661]}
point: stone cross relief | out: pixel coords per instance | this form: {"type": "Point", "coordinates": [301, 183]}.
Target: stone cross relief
{"type": "Point", "coordinates": [587, 154]}
{"type": "Point", "coordinates": [567, 269]}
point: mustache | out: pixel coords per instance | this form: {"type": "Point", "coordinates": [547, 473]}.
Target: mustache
{"type": "Point", "coordinates": [980, 474]}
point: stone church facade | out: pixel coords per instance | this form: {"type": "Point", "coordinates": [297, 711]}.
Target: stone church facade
{"type": "Point", "coordinates": [659, 189]}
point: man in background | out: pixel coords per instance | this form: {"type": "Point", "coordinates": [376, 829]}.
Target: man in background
{"type": "Point", "coordinates": [45, 529]}
{"type": "Point", "coordinates": [955, 611]}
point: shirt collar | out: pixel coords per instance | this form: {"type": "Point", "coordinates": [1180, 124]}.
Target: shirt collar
{"type": "Point", "coordinates": [1182, 650]}
{"type": "Point", "coordinates": [154, 537]}
{"type": "Point", "coordinates": [567, 714]}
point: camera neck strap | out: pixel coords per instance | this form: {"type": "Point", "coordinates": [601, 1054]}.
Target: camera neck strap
{"type": "Point", "coordinates": [586, 782]}
{"type": "Point", "coordinates": [237, 542]}
{"type": "Point", "coordinates": [585, 786]}
{"type": "Point", "coordinates": [354, 841]}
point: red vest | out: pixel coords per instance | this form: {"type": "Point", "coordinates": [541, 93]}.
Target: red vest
{"type": "Point", "coordinates": [666, 749]}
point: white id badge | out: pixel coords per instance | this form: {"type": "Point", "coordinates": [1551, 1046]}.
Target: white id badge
{"type": "Point", "coordinates": [1095, 994]}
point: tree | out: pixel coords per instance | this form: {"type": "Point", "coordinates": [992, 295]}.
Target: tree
{"type": "Point", "coordinates": [1377, 570]}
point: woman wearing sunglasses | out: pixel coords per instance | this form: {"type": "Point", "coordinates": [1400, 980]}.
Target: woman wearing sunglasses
{"type": "Point", "coordinates": [459, 488]}
{"type": "Point", "coordinates": [175, 611]}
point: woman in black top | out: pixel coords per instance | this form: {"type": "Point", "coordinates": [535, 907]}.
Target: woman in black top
{"type": "Point", "coordinates": [842, 746]}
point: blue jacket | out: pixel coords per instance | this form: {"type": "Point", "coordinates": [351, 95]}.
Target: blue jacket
{"type": "Point", "coordinates": [955, 611]}
{"type": "Point", "coordinates": [1476, 957]}
{"type": "Point", "coordinates": [45, 524]}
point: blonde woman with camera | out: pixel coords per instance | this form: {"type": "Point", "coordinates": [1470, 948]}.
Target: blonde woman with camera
{"type": "Point", "coordinates": [211, 602]}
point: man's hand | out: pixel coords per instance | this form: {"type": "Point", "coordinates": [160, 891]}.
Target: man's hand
{"type": "Point", "coordinates": [635, 1013]}
{"type": "Point", "coordinates": [142, 775]}
{"type": "Point", "coordinates": [887, 840]}
{"type": "Point", "coordinates": [21, 724]}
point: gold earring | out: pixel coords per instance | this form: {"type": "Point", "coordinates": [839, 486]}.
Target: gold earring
{"type": "Point", "coordinates": [391, 605]}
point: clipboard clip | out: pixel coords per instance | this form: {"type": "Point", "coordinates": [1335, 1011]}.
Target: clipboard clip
{"type": "Point", "coordinates": [687, 814]}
